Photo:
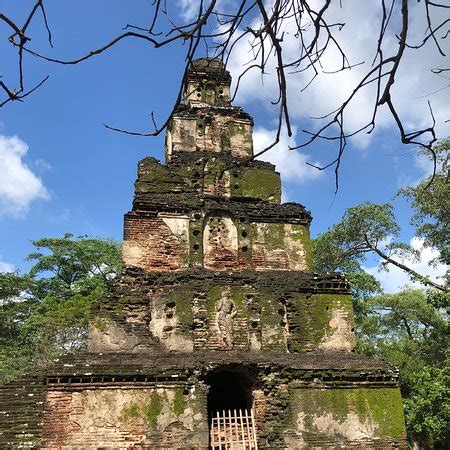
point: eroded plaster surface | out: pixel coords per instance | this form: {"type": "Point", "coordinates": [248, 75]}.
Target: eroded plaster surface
{"type": "Point", "coordinates": [165, 325]}
{"type": "Point", "coordinates": [122, 418]}
{"type": "Point", "coordinates": [358, 416]}
{"type": "Point", "coordinates": [279, 246]}
{"type": "Point", "coordinates": [340, 336]}
{"type": "Point", "coordinates": [106, 335]}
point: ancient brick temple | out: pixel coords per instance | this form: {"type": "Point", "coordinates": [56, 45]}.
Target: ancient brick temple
{"type": "Point", "coordinates": [217, 334]}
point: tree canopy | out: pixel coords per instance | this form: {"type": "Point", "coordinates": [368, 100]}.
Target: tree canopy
{"type": "Point", "coordinates": [45, 311]}
{"type": "Point", "coordinates": [429, 200]}
{"type": "Point", "coordinates": [371, 228]}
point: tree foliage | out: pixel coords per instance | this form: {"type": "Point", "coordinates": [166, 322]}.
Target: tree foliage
{"type": "Point", "coordinates": [430, 201]}
{"type": "Point", "coordinates": [406, 330]}
{"type": "Point", "coordinates": [371, 228]}
{"type": "Point", "coordinates": [45, 312]}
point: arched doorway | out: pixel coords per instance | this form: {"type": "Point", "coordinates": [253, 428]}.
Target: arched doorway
{"type": "Point", "coordinates": [230, 409]}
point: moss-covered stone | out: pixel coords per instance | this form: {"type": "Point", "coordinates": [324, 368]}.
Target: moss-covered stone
{"type": "Point", "coordinates": [349, 414]}
{"type": "Point", "coordinates": [155, 177]}
{"type": "Point", "coordinates": [261, 183]}
{"type": "Point", "coordinates": [237, 128]}
{"type": "Point", "coordinates": [131, 412]}
{"type": "Point", "coordinates": [100, 324]}
{"type": "Point", "coordinates": [309, 317]}
{"type": "Point", "coordinates": [179, 402]}
{"type": "Point", "coordinates": [272, 328]}
{"type": "Point", "coordinates": [301, 233]}
{"type": "Point", "coordinates": [274, 236]}
{"type": "Point", "coordinates": [196, 239]}
{"type": "Point", "coordinates": [183, 309]}
{"type": "Point", "coordinates": [154, 409]}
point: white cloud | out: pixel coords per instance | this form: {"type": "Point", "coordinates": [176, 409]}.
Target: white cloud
{"type": "Point", "coordinates": [19, 186]}
{"type": "Point", "coordinates": [188, 9]}
{"type": "Point", "coordinates": [6, 267]}
{"type": "Point", "coordinates": [415, 84]}
{"type": "Point", "coordinates": [42, 165]}
{"type": "Point", "coordinates": [290, 163]}
{"type": "Point", "coordinates": [411, 176]}
{"type": "Point", "coordinates": [394, 280]}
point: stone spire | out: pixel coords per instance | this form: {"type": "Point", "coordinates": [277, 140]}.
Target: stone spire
{"type": "Point", "coordinates": [206, 121]}
{"type": "Point", "coordinates": [207, 84]}
{"type": "Point", "coordinates": [216, 310]}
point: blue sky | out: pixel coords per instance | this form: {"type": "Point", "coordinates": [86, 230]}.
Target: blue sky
{"type": "Point", "coordinates": [73, 175]}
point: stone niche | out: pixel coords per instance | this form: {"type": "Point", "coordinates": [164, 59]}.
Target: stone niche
{"type": "Point", "coordinates": [167, 417]}
{"type": "Point", "coordinates": [220, 243]}
{"type": "Point", "coordinates": [156, 243]}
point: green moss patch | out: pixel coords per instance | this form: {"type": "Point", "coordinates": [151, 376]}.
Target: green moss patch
{"type": "Point", "coordinates": [154, 177]}
{"type": "Point", "coordinates": [153, 409]}
{"type": "Point", "coordinates": [261, 183]}
{"type": "Point", "coordinates": [274, 236]}
{"type": "Point", "coordinates": [179, 403]}
{"type": "Point", "coordinates": [130, 412]}
{"type": "Point", "coordinates": [309, 317]}
{"type": "Point", "coordinates": [379, 409]}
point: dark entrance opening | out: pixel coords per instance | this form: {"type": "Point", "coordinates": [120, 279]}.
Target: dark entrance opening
{"type": "Point", "coordinates": [229, 390]}
{"type": "Point", "coordinates": [230, 414]}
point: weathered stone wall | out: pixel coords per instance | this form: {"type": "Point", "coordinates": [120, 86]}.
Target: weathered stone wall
{"type": "Point", "coordinates": [170, 241]}
{"type": "Point", "coordinates": [202, 174]}
{"type": "Point", "coordinates": [207, 83]}
{"type": "Point", "coordinates": [352, 417]}
{"type": "Point", "coordinates": [280, 246]}
{"type": "Point", "coordinates": [300, 401]}
{"type": "Point", "coordinates": [109, 335]}
{"type": "Point", "coordinates": [204, 130]}
{"type": "Point", "coordinates": [243, 311]}
{"type": "Point", "coordinates": [153, 417]}
{"type": "Point", "coordinates": [156, 243]}
{"type": "Point", "coordinates": [214, 212]}
{"type": "Point", "coordinates": [220, 243]}
{"type": "Point", "coordinates": [203, 93]}
{"type": "Point", "coordinates": [21, 412]}
{"type": "Point", "coordinates": [255, 182]}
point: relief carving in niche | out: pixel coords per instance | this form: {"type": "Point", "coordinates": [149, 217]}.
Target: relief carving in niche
{"type": "Point", "coordinates": [342, 337]}
{"type": "Point", "coordinates": [225, 313]}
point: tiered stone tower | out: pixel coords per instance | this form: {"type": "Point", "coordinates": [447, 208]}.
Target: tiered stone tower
{"type": "Point", "coordinates": [217, 309]}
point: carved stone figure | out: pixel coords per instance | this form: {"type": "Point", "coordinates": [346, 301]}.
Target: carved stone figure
{"type": "Point", "coordinates": [226, 310]}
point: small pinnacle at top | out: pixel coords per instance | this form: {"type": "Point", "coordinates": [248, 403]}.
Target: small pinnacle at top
{"type": "Point", "coordinates": [209, 68]}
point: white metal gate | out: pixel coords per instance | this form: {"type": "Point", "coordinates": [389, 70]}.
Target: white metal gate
{"type": "Point", "coordinates": [233, 430]}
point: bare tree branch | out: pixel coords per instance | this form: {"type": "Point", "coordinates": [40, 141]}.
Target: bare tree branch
{"type": "Point", "coordinates": [425, 280]}
{"type": "Point", "coordinates": [264, 27]}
